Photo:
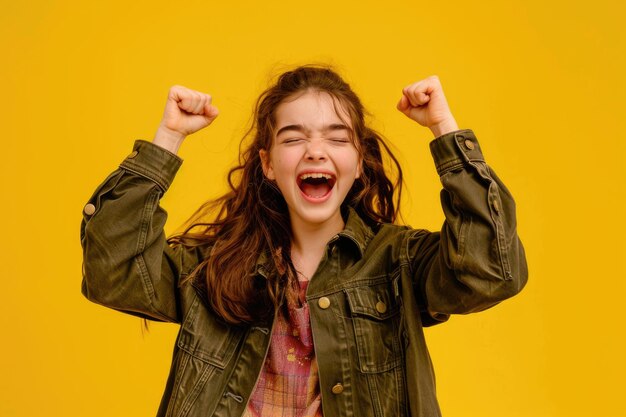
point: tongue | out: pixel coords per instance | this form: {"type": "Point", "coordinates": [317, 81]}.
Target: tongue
{"type": "Point", "coordinates": [315, 190]}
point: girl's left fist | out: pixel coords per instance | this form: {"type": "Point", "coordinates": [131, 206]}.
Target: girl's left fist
{"type": "Point", "coordinates": [425, 103]}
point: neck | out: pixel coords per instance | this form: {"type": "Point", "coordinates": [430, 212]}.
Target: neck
{"type": "Point", "coordinates": [309, 242]}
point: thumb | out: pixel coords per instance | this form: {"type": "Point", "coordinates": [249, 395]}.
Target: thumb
{"type": "Point", "coordinates": [210, 111]}
{"type": "Point", "coordinates": [403, 104]}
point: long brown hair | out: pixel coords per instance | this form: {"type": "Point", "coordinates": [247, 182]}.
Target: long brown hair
{"type": "Point", "coordinates": [252, 219]}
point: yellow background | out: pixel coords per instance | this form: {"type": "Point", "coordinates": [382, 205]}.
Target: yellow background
{"type": "Point", "coordinates": [541, 83]}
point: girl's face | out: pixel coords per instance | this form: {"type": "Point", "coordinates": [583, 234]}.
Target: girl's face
{"type": "Point", "coordinates": [313, 158]}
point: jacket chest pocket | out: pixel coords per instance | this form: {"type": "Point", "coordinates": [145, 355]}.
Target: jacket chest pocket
{"type": "Point", "coordinates": [375, 316]}
{"type": "Point", "coordinates": [206, 338]}
{"type": "Point", "coordinates": [205, 349]}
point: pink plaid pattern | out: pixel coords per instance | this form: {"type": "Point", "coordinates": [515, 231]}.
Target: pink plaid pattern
{"type": "Point", "coordinates": [289, 384]}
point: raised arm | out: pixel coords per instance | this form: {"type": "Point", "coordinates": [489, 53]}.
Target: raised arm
{"type": "Point", "coordinates": [127, 263]}
{"type": "Point", "coordinates": [477, 260]}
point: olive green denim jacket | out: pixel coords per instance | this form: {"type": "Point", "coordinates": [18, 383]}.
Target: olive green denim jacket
{"type": "Point", "coordinates": [371, 296]}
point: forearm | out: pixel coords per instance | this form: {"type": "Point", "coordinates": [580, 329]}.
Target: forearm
{"type": "Point", "coordinates": [168, 139]}
{"type": "Point", "coordinates": [447, 126]}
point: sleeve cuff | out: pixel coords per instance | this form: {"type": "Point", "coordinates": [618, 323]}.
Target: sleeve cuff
{"type": "Point", "coordinates": [454, 149]}
{"type": "Point", "coordinates": [152, 162]}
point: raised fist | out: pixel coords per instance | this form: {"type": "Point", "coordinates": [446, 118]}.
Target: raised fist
{"type": "Point", "coordinates": [424, 102]}
{"type": "Point", "coordinates": [186, 112]}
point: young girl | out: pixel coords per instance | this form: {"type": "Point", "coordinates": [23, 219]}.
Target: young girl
{"type": "Point", "coordinates": [301, 297]}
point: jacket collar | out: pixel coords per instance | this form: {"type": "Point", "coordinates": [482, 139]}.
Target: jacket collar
{"type": "Point", "coordinates": [356, 231]}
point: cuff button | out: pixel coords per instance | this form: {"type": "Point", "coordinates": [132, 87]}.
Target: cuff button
{"type": "Point", "coordinates": [469, 144]}
{"type": "Point", "coordinates": [132, 155]}
{"type": "Point", "coordinates": [89, 209]}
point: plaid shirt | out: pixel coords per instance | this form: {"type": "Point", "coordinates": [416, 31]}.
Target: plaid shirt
{"type": "Point", "coordinates": [289, 384]}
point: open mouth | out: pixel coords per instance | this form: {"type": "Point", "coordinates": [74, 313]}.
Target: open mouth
{"type": "Point", "coordinates": [316, 184]}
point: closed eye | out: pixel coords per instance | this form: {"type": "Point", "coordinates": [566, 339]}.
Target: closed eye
{"type": "Point", "coordinates": [292, 140]}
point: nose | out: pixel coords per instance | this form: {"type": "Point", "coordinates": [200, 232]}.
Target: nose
{"type": "Point", "coordinates": [315, 151]}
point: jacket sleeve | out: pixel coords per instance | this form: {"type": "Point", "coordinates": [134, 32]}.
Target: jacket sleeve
{"type": "Point", "coordinates": [477, 260]}
{"type": "Point", "coordinates": [127, 263]}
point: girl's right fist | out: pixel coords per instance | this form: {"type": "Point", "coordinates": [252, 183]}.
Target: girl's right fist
{"type": "Point", "coordinates": [186, 112]}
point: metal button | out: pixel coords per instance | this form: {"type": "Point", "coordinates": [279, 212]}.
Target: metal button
{"type": "Point", "coordinates": [324, 303]}
{"type": "Point", "coordinates": [469, 144]}
{"type": "Point", "coordinates": [337, 389]}
{"type": "Point", "coordinates": [132, 155]}
{"type": "Point", "coordinates": [89, 209]}
{"type": "Point", "coordinates": [381, 307]}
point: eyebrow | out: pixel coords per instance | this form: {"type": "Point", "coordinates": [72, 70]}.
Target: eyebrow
{"type": "Point", "coordinates": [301, 128]}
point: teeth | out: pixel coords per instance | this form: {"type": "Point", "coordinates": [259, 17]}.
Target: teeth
{"type": "Point", "coordinates": [315, 175]}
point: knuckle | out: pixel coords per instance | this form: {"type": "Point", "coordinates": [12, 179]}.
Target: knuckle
{"type": "Point", "coordinates": [180, 89]}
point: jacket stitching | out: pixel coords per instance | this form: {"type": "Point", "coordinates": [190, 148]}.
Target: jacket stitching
{"type": "Point", "coordinates": [191, 398]}
{"type": "Point", "coordinates": [141, 243]}
{"type": "Point", "coordinates": [501, 238]}
{"type": "Point", "coordinates": [358, 282]}
{"type": "Point", "coordinates": [148, 174]}
{"type": "Point", "coordinates": [177, 381]}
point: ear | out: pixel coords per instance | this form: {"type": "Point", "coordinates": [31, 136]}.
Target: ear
{"type": "Point", "coordinates": [359, 169]}
{"type": "Point", "coordinates": [266, 164]}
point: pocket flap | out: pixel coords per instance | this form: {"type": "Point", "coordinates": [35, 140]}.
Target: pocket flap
{"type": "Point", "coordinates": [206, 338]}
{"type": "Point", "coordinates": [375, 301]}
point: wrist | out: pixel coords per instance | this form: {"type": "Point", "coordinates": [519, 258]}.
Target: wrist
{"type": "Point", "coordinates": [168, 139]}
{"type": "Point", "coordinates": [444, 127]}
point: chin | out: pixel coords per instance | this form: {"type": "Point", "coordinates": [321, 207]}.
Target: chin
{"type": "Point", "coordinates": [317, 215]}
